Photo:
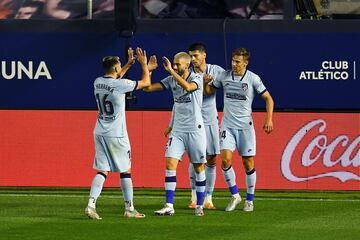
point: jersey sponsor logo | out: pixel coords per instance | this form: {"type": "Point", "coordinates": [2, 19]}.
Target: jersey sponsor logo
{"type": "Point", "coordinates": [183, 99]}
{"type": "Point", "coordinates": [336, 157]}
{"type": "Point", "coordinates": [236, 96]}
{"type": "Point", "coordinates": [24, 70]}
{"type": "Point", "coordinates": [106, 118]}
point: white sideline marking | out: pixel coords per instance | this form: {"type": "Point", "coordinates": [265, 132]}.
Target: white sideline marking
{"type": "Point", "coordinates": [182, 197]}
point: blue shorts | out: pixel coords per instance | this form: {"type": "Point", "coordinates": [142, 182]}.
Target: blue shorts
{"type": "Point", "coordinates": [112, 154]}
{"type": "Point", "coordinates": [244, 140]}
{"type": "Point", "coordinates": [194, 143]}
{"type": "Point", "coordinates": [212, 139]}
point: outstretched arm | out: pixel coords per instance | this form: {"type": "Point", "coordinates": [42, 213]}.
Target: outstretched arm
{"type": "Point", "coordinates": [268, 125]}
{"type": "Point", "coordinates": [152, 65]}
{"type": "Point", "coordinates": [130, 62]}
{"type": "Point", "coordinates": [187, 86]}
{"type": "Point", "coordinates": [145, 78]}
{"type": "Point", "coordinates": [154, 87]}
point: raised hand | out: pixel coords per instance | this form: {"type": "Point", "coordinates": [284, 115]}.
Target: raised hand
{"type": "Point", "coordinates": [207, 78]}
{"type": "Point", "coordinates": [131, 56]}
{"type": "Point", "coordinates": [152, 64]}
{"type": "Point", "coordinates": [167, 64]}
{"type": "Point", "coordinates": [141, 56]}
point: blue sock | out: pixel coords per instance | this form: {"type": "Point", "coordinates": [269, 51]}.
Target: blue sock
{"type": "Point", "coordinates": [250, 184]}
{"type": "Point", "coordinates": [200, 187]}
{"type": "Point", "coordinates": [170, 185]}
{"type": "Point", "coordinates": [230, 178]}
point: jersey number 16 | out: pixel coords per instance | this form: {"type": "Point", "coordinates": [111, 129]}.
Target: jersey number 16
{"type": "Point", "coordinates": [104, 106]}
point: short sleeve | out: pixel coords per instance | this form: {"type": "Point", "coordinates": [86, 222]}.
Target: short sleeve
{"type": "Point", "coordinates": [166, 82]}
{"type": "Point", "coordinates": [198, 80]}
{"type": "Point", "coordinates": [217, 71]}
{"type": "Point", "coordinates": [217, 81]}
{"type": "Point", "coordinates": [258, 85]}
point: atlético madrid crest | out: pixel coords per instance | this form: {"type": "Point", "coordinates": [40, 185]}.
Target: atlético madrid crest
{"type": "Point", "coordinates": [244, 86]}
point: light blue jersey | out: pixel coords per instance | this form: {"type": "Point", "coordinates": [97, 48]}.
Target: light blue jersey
{"type": "Point", "coordinates": [239, 92]}
{"type": "Point", "coordinates": [187, 105]}
{"type": "Point", "coordinates": [110, 99]}
{"type": "Point", "coordinates": [209, 110]}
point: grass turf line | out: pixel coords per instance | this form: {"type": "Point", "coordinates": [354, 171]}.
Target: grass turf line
{"type": "Point", "coordinates": [54, 215]}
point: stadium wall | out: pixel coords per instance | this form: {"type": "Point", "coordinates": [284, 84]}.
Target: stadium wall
{"type": "Point", "coordinates": [55, 148]}
{"type": "Point", "coordinates": [304, 70]}
{"type": "Point", "coordinates": [47, 108]}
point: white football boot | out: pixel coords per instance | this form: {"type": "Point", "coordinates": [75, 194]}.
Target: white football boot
{"type": "Point", "coordinates": [208, 204]}
{"type": "Point", "coordinates": [199, 211]}
{"type": "Point", "coordinates": [133, 214]}
{"type": "Point", "coordinates": [167, 210]}
{"type": "Point", "coordinates": [233, 203]}
{"type": "Point", "coordinates": [91, 213]}
{"type": "Point", "coordinates": [248, 206]}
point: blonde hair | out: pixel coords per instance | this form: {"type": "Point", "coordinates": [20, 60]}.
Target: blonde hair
{"type": "Point", "coordinates": [183, 55]}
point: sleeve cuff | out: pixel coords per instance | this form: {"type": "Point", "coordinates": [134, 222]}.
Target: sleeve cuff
{"type": "Point", "coordinates": [163, 85]}
{"type": "Point", "coordinates": [261, 93]}
{"type": "Point", "coordinates": [212, 84]}
{"type": "Point", "coordinates": [136, 84]}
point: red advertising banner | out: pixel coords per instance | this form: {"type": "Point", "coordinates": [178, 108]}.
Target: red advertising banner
{"type": "Point", "coordinates": [55, 148]}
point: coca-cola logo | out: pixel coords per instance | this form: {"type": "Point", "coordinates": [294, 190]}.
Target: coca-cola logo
{"type": "Point", "coordinates": [324, 149]}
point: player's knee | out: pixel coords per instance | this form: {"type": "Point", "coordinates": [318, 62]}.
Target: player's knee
{"type": "Point", "coordinates": [211, 160]}
{"type": "Point", "coordinates": [171, 164]}
{"type": "Point", "coordinates": [199, 167]}
{"type": "Point", "coordinates": [248, 163]}
{"type": "Point", "coordinates": [225, 163]}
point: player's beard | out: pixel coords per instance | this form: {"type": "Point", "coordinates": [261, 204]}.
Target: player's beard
{"type": "Point", "coordinates": [196, 64]}
{"type": "Point", "coordinates": [236, 70]}
{"type": "Point", "coordinates": [180, 72]}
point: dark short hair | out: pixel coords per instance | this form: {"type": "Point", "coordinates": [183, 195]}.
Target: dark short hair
{"type": "Point", "coordinates": [241, 52]}
{"type": "Point", "coordinates": [109, 62]}
{"type": "Point", "coordinates": [197, 46]}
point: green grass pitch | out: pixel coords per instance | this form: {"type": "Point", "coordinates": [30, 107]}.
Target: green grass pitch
{"type": "Point", "coordinates": [54, 213]}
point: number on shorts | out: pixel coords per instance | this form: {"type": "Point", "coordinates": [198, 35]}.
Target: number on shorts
{"type": "Point", "coordinates": [223, 134]}
{"type": "Point", "coordinates": [105, 106]}
{"type": "Point", "coordinates": [170, 140]}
